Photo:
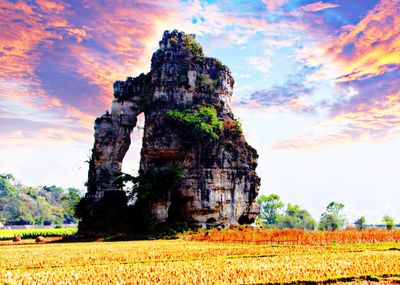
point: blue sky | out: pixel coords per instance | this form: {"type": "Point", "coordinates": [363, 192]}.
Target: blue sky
{"type": "Point", "coordinates": [316, 88]}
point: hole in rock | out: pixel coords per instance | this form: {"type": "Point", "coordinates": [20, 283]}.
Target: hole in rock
{"type": "Point", "coordinates": [130, 163]}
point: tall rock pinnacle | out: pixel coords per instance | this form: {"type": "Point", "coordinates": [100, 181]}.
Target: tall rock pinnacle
{"type": "Point", "coordinates": [195, 166]}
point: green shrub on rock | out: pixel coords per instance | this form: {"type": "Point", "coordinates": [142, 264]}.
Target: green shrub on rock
{"type": "Point", "coordinates": [193, 45]}
{"type": "Point", "coordinates": [198, 123]}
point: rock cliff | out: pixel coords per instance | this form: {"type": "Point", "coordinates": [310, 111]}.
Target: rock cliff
{"type": "Point", "coordinates": [192, 144]}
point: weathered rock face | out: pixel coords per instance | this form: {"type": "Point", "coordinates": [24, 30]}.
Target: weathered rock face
{"type": "Point", "coordinates": [219, 184]}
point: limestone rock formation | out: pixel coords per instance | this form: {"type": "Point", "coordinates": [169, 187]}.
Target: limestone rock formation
{"type": "Point", "coordinates": [188, 122]}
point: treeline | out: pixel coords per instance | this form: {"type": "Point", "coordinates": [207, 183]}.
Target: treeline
{"type": "Point", "coordinates": [273, 214]}
{"type": "Point", "coordinates": [47, 205]}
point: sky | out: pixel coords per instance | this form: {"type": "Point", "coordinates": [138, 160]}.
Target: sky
{"type": "Point", "coordinates": [317, 89]}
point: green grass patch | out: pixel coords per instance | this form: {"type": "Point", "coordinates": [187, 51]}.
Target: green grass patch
{"type": "Point", "coordinates": [33, 233]}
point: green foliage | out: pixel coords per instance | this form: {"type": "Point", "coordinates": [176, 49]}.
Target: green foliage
{"type": "Point", "coordinates": [154, 182]}
{"type": "Point", "coordinates": [237, 127]}
{"type": "Point", "coordinates": [360, 223]}
{"type": "Point", "coordinates": [197, 123]}
{"type": "Point", "coordinates": [69, 203]}
{"type": "Point", "coordinates": [332, 219]}
{"type": "Point", "coordinates": [21, 205]}
{"type": "Point", "coordinates": [295, 218]}
{"type": "Point", "coordinates": [193, 45]}
{"type": "Point", "coordinates": [270, 207]}
{"type": "Point", "coordinates": [208, 83]}
{"type": "Point", "coordinates": [389, 222]}
{"type": "Point", "coordinates": [33, 233]}
{"type": "Point", "coordinates": [7, 187]}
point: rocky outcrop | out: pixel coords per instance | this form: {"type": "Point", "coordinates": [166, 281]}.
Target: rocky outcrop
{"type": "Point", "coordinates": [188, 122]}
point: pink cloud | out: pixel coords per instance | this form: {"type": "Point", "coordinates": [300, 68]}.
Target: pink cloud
{"type": "Point", "coordinates": [274, 4]}
{"type": "Point", "coordinates": [365, 58]}
{"type": "Point", "coordinates": [367, 49]}
{"type": "Point", "coordinates": [111, 42]}
{"type": "Point", "coordinates": [379, 121]}
{"type": "Point", "coordinates": [28, 32]}
{"type": "Point", "coordinates": [318, 6]}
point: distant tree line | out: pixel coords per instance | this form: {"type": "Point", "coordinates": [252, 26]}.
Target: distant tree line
{"type": "Point", "coordinates": [23, 205]}
{"type": "Point", "coordinates": [47, 205]}
{"type": "Point", "coordinates": [273, 214]}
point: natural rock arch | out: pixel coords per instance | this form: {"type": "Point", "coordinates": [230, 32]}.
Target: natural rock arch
{"type": "Point", "coordinates": [219, 184]}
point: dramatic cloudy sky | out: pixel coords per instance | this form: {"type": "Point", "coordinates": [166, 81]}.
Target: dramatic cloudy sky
{"type": "Point", "coordinates": [317, 88]}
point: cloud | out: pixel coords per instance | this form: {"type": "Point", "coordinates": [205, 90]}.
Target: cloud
{"type": "Point", "coordinates": [366, 110]}
{"type": "Point", "coordinates": [59, 58]}
{"type": "Point", "coordinates": [40, 40]}
{"type": "Point", "coordinates": [28, 33]}
{"type": "Point", "coordinates": [363, 63]}
{"type": "Point", "coordinates": [261, 63]}
{"type": "Point", "coordinates": [274, 4]}
{"type": "Point", "coordinates": [367, 49]}
{"type": "Point", "coordinates": [79, 34]}
{"type": "Point", "coordinates": [293, 96]}
{"type": "Point", "coordinates": [88, 45]}
{"type": "Point", "coordinates": [378, 122]}
{"type": "Point", "coordinates": [318, 6]}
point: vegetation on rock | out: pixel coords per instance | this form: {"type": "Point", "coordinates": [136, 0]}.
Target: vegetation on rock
{"type": "Point", "coordinates": [155, 182]}
{"type": "Point", "coordinates": [207, 83]}
{"type": "Point", "coordinates": [193, 45]}
{"type": "Point", "coordinates": [201, 123]}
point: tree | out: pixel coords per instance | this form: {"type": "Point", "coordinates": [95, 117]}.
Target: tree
{"type": "Point", "coordinates": [389, 222]}
{"type": "Point", "coordinates": [270, 207]}
{"type": "Point", "coordinates": [7, 186]}
{"type": "Point", "coordinates": [296, 218]}
{"type": "Point", "coordinates": [332, 219]}
{"type": "Point", "coordinates": [23, 205]}
{"type": "Point", "coordinates": [69, 203]}
{"type": "Point", "coordinates": [360, 223]}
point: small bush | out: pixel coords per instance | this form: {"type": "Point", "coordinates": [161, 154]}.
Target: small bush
{"type": "Point", "coordinates": [154, 182]}
{"type": "Point", "coordinates": [193, 45]}
{"type": "Point", "coordinates": [233, 126]}
{"type": "Point", "coordinates": [202, 123]}
{"type": "Point", "coordinates": [207, 82]}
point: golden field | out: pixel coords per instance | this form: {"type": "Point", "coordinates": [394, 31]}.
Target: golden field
{"type": "Point", "coordinates": [196, 262]}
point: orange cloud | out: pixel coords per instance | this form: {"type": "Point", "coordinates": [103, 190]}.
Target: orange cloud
{"type": "Point", "coordinates": [126, 36]}
{"type": "Point", "coordinates": [51, 6]}
{"type": "Point", "coordinates": [112, 42]}
{"type": "Point", "coordinates": [79, 34]}
{"type": "Point", "coordinates": [318, 6]}
{"type": "Point", "coordinates": [365, 50]}
{"type": "Point", "coordinates": [363, 57]}
{"type": "Point", "coordinates": [25, 34]}
{"type": "Point", "coordinates": [27, 31]}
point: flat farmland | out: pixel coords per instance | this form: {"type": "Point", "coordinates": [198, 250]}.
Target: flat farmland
{"type": "Point", "coordinates": [195, 262]}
